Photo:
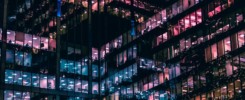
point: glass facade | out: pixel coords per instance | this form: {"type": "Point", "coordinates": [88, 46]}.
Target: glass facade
{"type": "Point", "coordinates": [180, 50]}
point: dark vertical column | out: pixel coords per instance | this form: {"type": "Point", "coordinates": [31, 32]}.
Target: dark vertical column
{"type": "Point", "coordinates": [99, 72]}
{"type": "Point", "coordinates": [57, 79]}
{"type": "Point", "coordinates": [99, 49]}
{"type": "Point", "coordinates": [3, 8]}
{"type": "Point", "coordinates": [57, 76]}
{"type": "Point", "coordinates": [132, 25]}
{"type": "Point", "coordinates": [90, 47]}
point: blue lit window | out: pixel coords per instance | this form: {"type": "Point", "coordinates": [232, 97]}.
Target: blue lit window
{"type": "Point", "coordinates": [27, 59]}
{"type": "Point", "coordinates": [63, 83]}
{"type": "Point", "coordinates": [63, 67]}
{"type": "Point", "coordinates": [10, 56]}
{"type": "Point", "coordinates": [16, 95]}
{"type": "Point", "coordinates": [9, 77]}
{"type": "Point", "coordinates": [95, 70]}
{"type": "Point", "coordinates": [78, 86]}
{"type": "Point", "coordinates": [17, 77]}
{"type": "Point", "coordinates": [70, 65]}
{"type": "Point", "coordinates": [84, 86]}
{"type": "Point", "coordinates": [26, 79]}
{"type": "Point", "coordinates": [77, 68]}
{"type": "Point", "coordinates": [35, 80]}
{"type": "Point", "coordinates": [84, 68]}
{"type": "Point", "coordinates": [19, 57]}
{"type": "Point", "coordinates": [70, 86]}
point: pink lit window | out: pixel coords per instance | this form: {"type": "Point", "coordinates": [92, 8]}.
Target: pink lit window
{"type": "Point", "coordinates": [181, 25]}
{"type": "Point", "coordinates": [36, 42]}
{"type": "Point", "coordinates": [187, 43]}
{"type": "Point", "coordinates": [166, 74]}
{"type": "Point", "coordinates": [176, 30]}
{"type": "Point", "coordinates": [193, 19]}
{"type": "Point", "coordinates": [10, 36]}
{"type": "Point", "coordinates": [241, 38]}
{"type": "Point", "coordinates": [199, 16]}
{"type": "Point", "coordinates": [28, 40]}
{"type": "Point", "coordinates": [182, 44]}
{"type": "Point", "coordinates": [43, 81]}
{"type": "Point", "coordinates": [159, 40]}
{"type": "Point", "coordinates": [19, 38]}
{"type": "Point", "coordinates": [227, 43]}
{"type": "Point", "coordinates": [52, 44]}
{"type": "Point", "coordinates": [214, 51]}
{"type": "Point", "coordinates": [161, 78]}
{"type": "Point", "coordinates": [187, 22]}
{"type": "Point", "coordinates": [44, 43]}
{"type": "Point", "coordinates": [145, 87]}
{"type": "Point", "coordinates": [239, 18]}
{"type": "Point", "coordinates": [217, 9]}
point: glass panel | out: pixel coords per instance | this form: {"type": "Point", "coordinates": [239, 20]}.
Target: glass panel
{"type": "Point", "coordinates": [241, 38]}
{"type": "Point", "coordinates": [95, 88]}
{"type": "Point", "coordinates": [84, 68]}
{"type": "Point", "coordinates": [8, 95]}
{"type": "Point", "coordinates": [227, 43]}
{"type": "Point", "coordinates": [84, 86]}
{"type": "Point", "coordinates": [214, 51]}
{"type": "Point", "coordinates": [9, 77]}
{"type": "Point", "coordinates": [44, 43]}
{"type": "Point", "coordinates": [95, 70]}
{"type": "Point", "coordinates": [27, 59]}
{"type": "Point", "coordinates": [52, 45]}
{"type": "Point", "coordinates": [10, 56]}
{"type": "Point", "coordinates": [17, 78]}
{"type": "Point", "coordinates": [78, 86]}
{"type": "Point", "coordinates": [70, 66]}
{"type": "Point", "coordinates": [26, 79]}
{"type": "Point", "coordinates": [63, 83]}
{"type": "Point", "coordinates": [35, 80]}
{"type": "Point", "coordinates": [63, 67]}
{"type": "Point", "coordinates": [43, 81]}
{"type": "Point", "coordinates": [51, 82]}
{"type": "Point", "coordinates": [77, 68]}
{"type": "Point", "coordinates": [19, 38]}
{"type": "Point", "coordinates": [70, 85]}
{"type": "Point", "coordinates": [36, 42]}
{"type": "Point", "coordinates": [11, 36]}
{"type": "Point", "coordinates": [230, 90]}
{"type": "Point", "coordinates": [19, 58]}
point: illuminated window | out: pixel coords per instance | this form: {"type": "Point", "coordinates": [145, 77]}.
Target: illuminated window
{"type": "Point", "coordinates": [227, 43]}
{"type": "Point", "coordinates": [10, 37]}
{"type": "Point", "coordinates": [19, 58]}
{"type": "Point", "coordinates": [19, 38]}
{"type": "Point", "coordinates": [214, 51]}
{"type": "Point", "coordinates": [28, 40]}
{"type": "Point", "coordinates": [36, 42]}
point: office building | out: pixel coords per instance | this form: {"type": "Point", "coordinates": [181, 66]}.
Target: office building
{"type": "Point", "coordinates": [122, 50]}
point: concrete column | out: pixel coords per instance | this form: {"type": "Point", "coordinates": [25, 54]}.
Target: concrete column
{"type": "Point", "coordinates": [4, 8]}
{"type": "Point", "coordinates": [90, 47]}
